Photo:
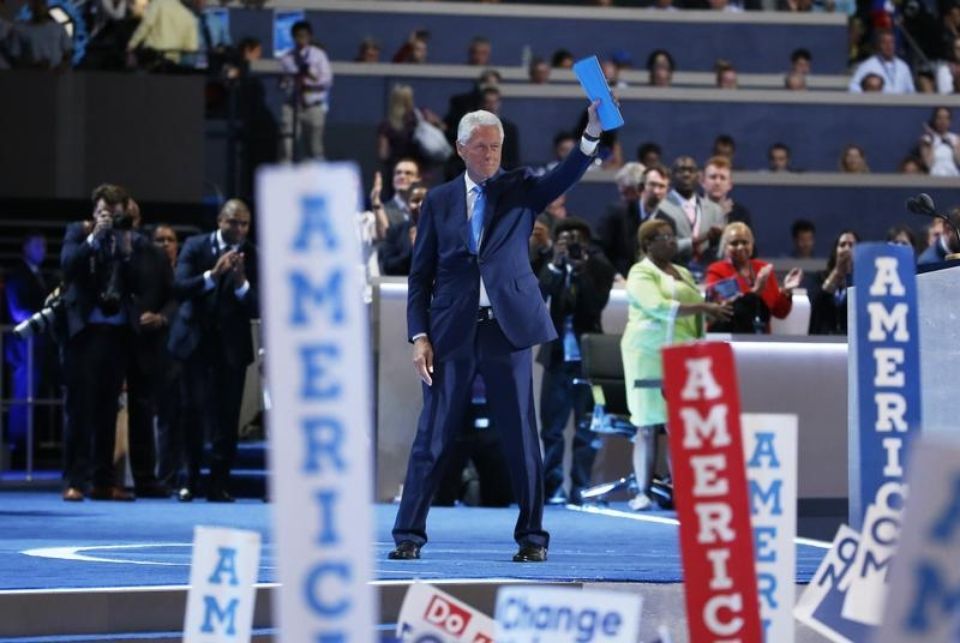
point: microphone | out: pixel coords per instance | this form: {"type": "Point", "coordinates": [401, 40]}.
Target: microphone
{"type": "Point", "coordinates": [923, 205]}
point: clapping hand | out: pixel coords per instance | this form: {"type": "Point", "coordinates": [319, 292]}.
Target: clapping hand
{"type": "Point", "coordinates": [762, 277]}
{"type": "Point", "coordinates": [792, 280]}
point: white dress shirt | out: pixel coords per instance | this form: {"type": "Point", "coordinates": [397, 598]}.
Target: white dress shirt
{"type": "Point", "coordinates": [208, 282]}
{"type": "Point", "coordinates": [896, 75]}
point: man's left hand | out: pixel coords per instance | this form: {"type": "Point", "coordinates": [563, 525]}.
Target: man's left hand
{"type": "Point", "coordinates": [152, 321]}
{"type": "Point", "coordinates": [593, 119]}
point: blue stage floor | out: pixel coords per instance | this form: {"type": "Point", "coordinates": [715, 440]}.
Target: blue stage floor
{"type": "Point", "coordinates": [46, 543]}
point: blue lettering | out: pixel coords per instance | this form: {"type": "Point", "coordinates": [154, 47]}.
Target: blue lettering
{"type": "Point", "coordinates": [303, 291]}
{"type": "Point", "coordinates": [946, 524]}
{"type": "Point", "coordinates": [870, 561]}
{"type": "Point", "coordinates": [315, 220]}
{"type": "Point", "coordinates": [331, 637]}
{"type": "Point", "coordinates": [846, 552]}
{"type": "Point", "coordinates": [761, 498]}
{"type": "Point", "coordinates": [226, 562]}
{"type": "Point", "coordinates": [312, 589]}
{"type": "Point", "coordinates": [324, 436]}
{"type": "Point", "coordinates": [328, 535]}
{"type": "Point", "coordinates": [211, 611]}
{"type": "Point", "coordinates": [763, 540]}
{"type": "Point", "coordinates": [767, 586]}
{"type": "Point", "coordinates": [314, 372]}
{"type": "Point", "coordinates": [764, 448]}
{"type": "Point", "coordinates": [930, 591]}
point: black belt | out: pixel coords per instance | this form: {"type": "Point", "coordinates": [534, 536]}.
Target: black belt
{"type": "Point", "coordinates": [485, 313]}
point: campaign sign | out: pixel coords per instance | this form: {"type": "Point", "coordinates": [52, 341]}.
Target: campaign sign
{"type": "Point", "coordinates": [431, 615]}
{"type": "Point", "coordinates": [710, 492]}
{"type": "Point", "coordinates": [566, 615]}
{"type": "Point", "coordinates": [922, 604]}
{"type": "Point", "coordinates": [887, 371]}
{"type": "Point", "coordinates": [821, 605]}
{"type": "Point", "coordinates": [318, 366]}
{"type": "Point", "coordinates": [223, 573]}
{"type": "Point", "coordinates": [770, 449]}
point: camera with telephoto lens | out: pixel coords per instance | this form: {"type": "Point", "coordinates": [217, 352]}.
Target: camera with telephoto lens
{"type": "Point", "coordinates": [121, 222]}
{"type": "Point", "coordinates": [43, 320]}
{"type": "Point", "coordinates": [575, 251]}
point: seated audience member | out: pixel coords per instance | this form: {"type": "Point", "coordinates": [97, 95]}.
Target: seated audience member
{"type": "Point", "coordinates": [795, 82]}
{"type": "Point", "coordinates": [925, 81]}
{"type": "Point", "coordinates": [912, 165]}
{"type": "Point", "coordinates": [724, 5]}
{"type": "Point", "coordinates": [611, 71]}
{"type": "Point", "coordinates": [697, 222]}
{"type": "Point", "coordinates": [470, 101]}
{"type": "Point", "coordinates": [778, 158]}
{"type": "Point", "coordinates": [576, 285]}
{"type": "Point", "coordinates": [539, 71]}
{"type": "Point", "coordinates": [478, 54]}
{"type": "Point", "coordinates": [563, 142]}
{"type": "Point", "coordinates": [800, 61]}
{"type": "Point", "coordinates": [948, 69]}
{"type": "Point", "coordinates": [853, 160]}
{"type": "Point", "coordinates": [828, 297]}
{"type": "Point", "coordinates": [642, 190]}
{"type": "Point", "coordinates": [902, 235]}
{"type": "Point", "coordinates": [167, 31]}
{"type": "Point", "coordinates": [307, 81]}
{"type": "Point", "coordinates": [492, 102]}
{"type": "Point", "coordinates": [369, 51]}
{"type": "Point", "coordinates": [872, 83]}
{"type": "Point", "coordinates": [665, 307]}
{"type": "Point", "coordinates": [898, 79]}
{"type": "Point", "coordinates": [717, 184]}
{"type": "Point", "coordinates": [946, 243]}
{"type": "Point", "coordinates": [414, 50]}
{"type": "Point", "coordinates": [561, 59]}
{"type": "Point", "coordinates": [804, 236]}
{"type": "Point", "coordinates": [660, 65]}
{"type": "Point", "coordinates": [649, 154]}
{"type": "Point", "coordinates": [939, 147]}
{"type": "Point", "coordinates": [760, 296]}
{"type": "Point", "coordinates": [725, 146]}
{"type": "Point", "coordinates": [726, 74]}
{"type": "Point", "coordinates": [41, 42]}
{"type": "Point", "coordinates": [395, 139]}
{"type": "Point", "coordinates": [397, 248]}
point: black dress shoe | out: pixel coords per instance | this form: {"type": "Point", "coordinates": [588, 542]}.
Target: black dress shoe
{"type": "Point", "coordinates": [220, 496]}
{"type": "Point", "coordinates": [558, 497]}
{"type": "Point", "coordinates": [185, 495]}
{"type": "Point", "coordinates": [152, 490]}
{"type": "Point", "coordinates": [530, 554]}
{"type": "Point", "coordinates": [406, 550]}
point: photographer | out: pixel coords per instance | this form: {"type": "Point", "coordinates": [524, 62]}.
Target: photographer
{"type": "Point", "coordinates": [576, 284]}
{"type": "Point", "coordinates": [309, 77]}
{"type": "Point", "coordinates": [98, 260]}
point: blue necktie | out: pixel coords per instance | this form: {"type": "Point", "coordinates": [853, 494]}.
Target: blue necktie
{"type": "Point", "coordinates": [476, 222]}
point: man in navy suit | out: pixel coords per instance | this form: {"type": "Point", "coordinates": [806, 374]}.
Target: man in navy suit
{"type": "Point", "coordinates": [216, 281]}
{"type": "Point", "coordinates": [474, 305]}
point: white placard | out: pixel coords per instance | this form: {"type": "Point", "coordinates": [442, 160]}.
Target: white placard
{"type": "Point", "coordinates": [430, 614]}
{"type": "Point", "coordinates": [922, 602]}
{"type": "Point", "coordinates": [318, 366]}
{"type": "Point", "coordinates": [223, 575]}
{"type": "Point", "coordinates": [770, 454]}
{"type": "Point", "coordinates": [528, 614]}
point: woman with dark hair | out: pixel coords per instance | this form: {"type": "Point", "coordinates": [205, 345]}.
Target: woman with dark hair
{"type": "Point", "coordinates": [828, 297]}
{"type": "Point", "coordinates": [902, 235]}
{"type": "Point", "coordinates": [939, 147]}
{"type": "Point", "coordinates": [665, 308]}
{"type": "Point", "coordinates": [661, 67]}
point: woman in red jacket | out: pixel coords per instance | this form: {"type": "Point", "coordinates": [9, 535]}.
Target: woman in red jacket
{"type": "Point", "coordinates": [750, 283]}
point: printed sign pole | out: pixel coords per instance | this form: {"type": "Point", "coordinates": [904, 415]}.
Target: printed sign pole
{"type": "Point", "coordinates": [710, 492]}
{"type": "Point", "coordinates": [770, 449]}
{"type": "Point", "coordinates": [318, 367]}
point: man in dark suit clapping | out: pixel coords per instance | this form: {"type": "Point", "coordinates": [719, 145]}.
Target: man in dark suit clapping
{"type": "Point", "coordinates": [216, 281]}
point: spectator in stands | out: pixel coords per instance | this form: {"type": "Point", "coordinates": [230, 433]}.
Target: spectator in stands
{"type": "Point", "coordinates": [665, 307]}
{"type": "Point", "coordinates": [576, 285]}
{"type": "Point", "coordinates": [949, 27]}
{"type": "Point", "coordinates": [641, 193]}
{"type": "Point", "coordinates": [510, 152]}
{"type": "Point", "coordinates": [717, 183]}
{"type": "Point", "coordinates": [406, 174]}
{"type": "Point", "coordinates": [167, 31]}
{"type": "Point", "coordinates": [211, 336]}
{"type": "Point", "coordinates": [660, 66]}
{"type": "Point", "coordinates": [308, 78]}
{"type": "Point", "coordinates": [470, 101]}
{"type": "Point", "coordinates": [41, 42]}
{"type": "Point", "coordinates": [649, 154]}
{"type": "Point", "coordinates": [948, 69]}
{"type": "Point", "coordinates": [898, 79]}
{"type": "Point", "coordinates": [663, 5]}
{"type": "Point", "coordinates": [563, 142]}
{"type": "Point", "coordinates": [795, 82]}
{"type": "Point", "coordinates": [369, 51]}
{"type": "Point", "coordinates": [800, 61]}
{"type": "Point", "coordinates": [725, 146]}
{"type": "Point", "coordinates": [939, 147]}
{"type": "Point", "coordinates": [912, 165]}
{"type": "Point", "coordinates": [414, 50]}
{"type": "Point", "coordinates": [539, 71]}
{"type": "Point", "coordinates": [724, 5]}
{"type": "Point", "coordinates": [828, 297]}
{"type": "Point", "coordinates": [726, 74]}
{"type": "Point", "coordinates": [778, 158]}
{"type": "Point", "coordinates": [611, 71]}
{"type": "Point", "coordinates": [397, 248]}
{"type": "Point", "coordinates": [946, 244]}
{"type": "Point", "coordinates": [804, 236]}
{"type": "Point", "coordinates": [853, 160]}
{"type": "Point", "coordinates": [561, 59]}
{"type": "Point", "coordinates": [902, 235]}
{"type": "Point", "coordinates": [395, 138]}
{"type": "Point", "coordinates": [697, 222]}
{"type": "Point", "coordinates": [925, 81]}
{"type": "Point", "coordinates": [478, 53]}
{"type": "Point", "coordinates": [760, 294]}
{"type": "Point", "coordinates": [872, 83]}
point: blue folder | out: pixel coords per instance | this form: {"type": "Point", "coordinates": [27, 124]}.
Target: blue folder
{"type": "Point", "coordinates": [595, 86]}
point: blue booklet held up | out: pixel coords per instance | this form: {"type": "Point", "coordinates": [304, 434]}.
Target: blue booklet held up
{"type": "Point", "coordinates": [595, 86]}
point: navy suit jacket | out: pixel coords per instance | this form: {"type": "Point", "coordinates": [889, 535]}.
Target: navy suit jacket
{"type": "Point", "coordinates": [444, 283]}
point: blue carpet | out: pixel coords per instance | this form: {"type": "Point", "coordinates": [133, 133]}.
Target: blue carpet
{"type": "Point", "coordinates": [106, 544]}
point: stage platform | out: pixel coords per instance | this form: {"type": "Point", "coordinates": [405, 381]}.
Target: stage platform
{"type": "Point", "coordinates": [118, 571]}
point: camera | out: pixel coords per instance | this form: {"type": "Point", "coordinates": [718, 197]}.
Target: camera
{"type": "Point", "coordinates": [41, 321]}
{"type": "Point", "coordinates": [575, 251]}
{"type": "Point", "coordinates": [121, 222]}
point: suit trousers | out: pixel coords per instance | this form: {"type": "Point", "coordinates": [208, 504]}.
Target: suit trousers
{"type": "Point", "coordinates": [212, 392]}
{"type": "Point", "coordinates": [142, 386]}
{"type": "Point", "coordinates": [170, 442]}
{"type": "Point", "coordinates": [96, 358]}
{"type": "Point", "coordinates": [558, 397]}
{"type": "Point", "coordinates": [508, 374]}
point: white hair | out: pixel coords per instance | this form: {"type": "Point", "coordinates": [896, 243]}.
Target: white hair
{"type": "Point", "coordinates": [470, 122]}
{"type": "Point", "coordinates": [630, 175]}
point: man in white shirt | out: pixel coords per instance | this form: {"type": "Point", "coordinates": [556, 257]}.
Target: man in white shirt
{"type": "Point", "coordinates": [896, 74]}
{"type": "Point", "coordinates": [308, 84]}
